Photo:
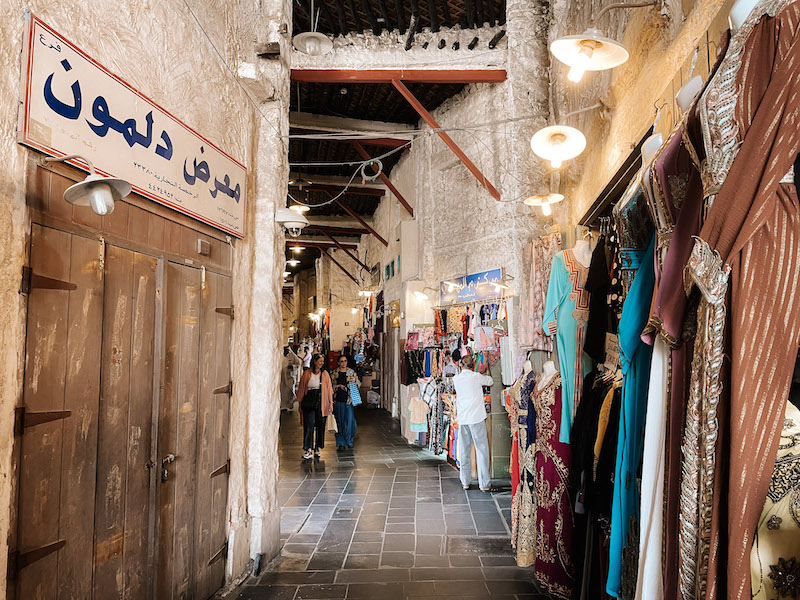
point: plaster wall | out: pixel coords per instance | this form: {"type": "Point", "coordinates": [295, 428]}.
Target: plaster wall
{"type": "Point", "coordinates": [177, 67]}
{"type": "Point", "coordinates": [305, 289]}
{"type": "Point", "coordinates": [343, 297]}
{"type": "Point", "coordinates": [661, 43]}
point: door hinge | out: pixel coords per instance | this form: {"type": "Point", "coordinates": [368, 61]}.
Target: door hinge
{"type": "Point", "coordinates": [225, 310]}
{"type": "Point", "coordinates": [221, 553]}
{"type": "Point", "coordinates": [24, 418]}
{"type": "Point", "coordinates": [225, 389]}
{"type": "Point", "coordinates": [223, 469]}
{"type": "Point", "coordinates": [19, 560]}
{"type": "Point", "coordinates": [31, 280]}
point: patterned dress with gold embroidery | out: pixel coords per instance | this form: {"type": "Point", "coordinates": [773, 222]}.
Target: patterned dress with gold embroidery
{"type": "Point", "coordinates": [566, 314]}
{"type": "Point", "coordinates": [553, 566]}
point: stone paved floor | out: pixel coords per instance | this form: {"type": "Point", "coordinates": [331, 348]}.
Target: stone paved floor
{"type": "Point", "coordinates": [387, 521]}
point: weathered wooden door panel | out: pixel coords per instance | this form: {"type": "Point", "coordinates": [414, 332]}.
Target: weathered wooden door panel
{"type": "Point", "coordinates": [123, 477]}
{"type": "Point", "coordinates": [178, 433]}
{"type": "Point", "coordinates": [57, 460]}
{"type": "Point", "coordinates": [212, 436]}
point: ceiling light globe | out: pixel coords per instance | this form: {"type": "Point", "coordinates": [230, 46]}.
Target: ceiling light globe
{"type": "Point", "coordinates": [589, 51]}
{"type": "Point", "coordinates": [546, 210]}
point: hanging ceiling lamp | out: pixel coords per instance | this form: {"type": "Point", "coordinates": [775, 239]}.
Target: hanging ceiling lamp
{"type": "Point", "coordinates": [312, 42]}
{"type": "Point", "coordinates": [591, 50]}
{"type": "Point", "coordinates": [544, 201]}
{"type": "Point", "coordinates": [558, 143]}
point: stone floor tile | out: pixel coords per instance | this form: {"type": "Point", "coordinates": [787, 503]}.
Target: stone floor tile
{"type": "Point", "coordinates": [362, 561]}
{"type": "Point", "coordinates": [398, 542]}
{"type": "Point", "coordinates": [321, 592]}
{"type": "Point", "coordinates": [326, 561]}
{"type": "Point", "coordinates": [376, 591]}
{"type": "Point", "coordinates": [264, 592]}
{"type": "Point", "coordinates": [397, 559]}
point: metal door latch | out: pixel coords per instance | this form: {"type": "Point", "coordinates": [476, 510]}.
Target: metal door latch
{"type": "Point", "coordinates": [169, 458]}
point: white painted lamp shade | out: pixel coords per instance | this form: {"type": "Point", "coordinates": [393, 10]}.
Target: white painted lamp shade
{"type": "Point", "coordinates": [98, 192]}
{"type": "Point", "coordinates": [589, 51]}
{"type": "Point", "coordinates": [312, 43]}
{"type": "Point", "coordinates": [558, 143]}
{"type": "Point", "coordinates": [544, 201]}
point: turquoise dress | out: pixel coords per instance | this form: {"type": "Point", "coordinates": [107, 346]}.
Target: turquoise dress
{"type": "Point", "coordinates": [635, 356]}
{"type": "Point", "coordinates": [566, 313]}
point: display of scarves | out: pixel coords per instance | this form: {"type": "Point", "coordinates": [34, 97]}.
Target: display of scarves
{"type": "Point", "coordinates": [537, 259]}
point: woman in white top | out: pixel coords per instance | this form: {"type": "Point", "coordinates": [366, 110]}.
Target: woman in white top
{"type": "Point", "coordinates": [315, 393]}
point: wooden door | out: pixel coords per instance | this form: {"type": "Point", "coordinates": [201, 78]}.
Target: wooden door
{"type": "Point", "coordinates": [193, 434]}
{"type": "Point", "coordinates": [100, 516]}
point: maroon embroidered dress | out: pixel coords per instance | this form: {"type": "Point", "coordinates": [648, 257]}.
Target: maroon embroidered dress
{"type": "Point", "coordinates": [553, 568]}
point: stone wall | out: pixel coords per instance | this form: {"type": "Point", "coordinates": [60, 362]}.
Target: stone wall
{"type": "Point", "coordinates": [159, 48]}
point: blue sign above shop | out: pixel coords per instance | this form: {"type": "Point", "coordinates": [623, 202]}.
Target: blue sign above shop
{"type": "Point", "coordinates": [472, 288]}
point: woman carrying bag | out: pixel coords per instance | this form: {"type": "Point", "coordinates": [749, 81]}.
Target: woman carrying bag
{"type": "Point", "coordinates": [343, 377]}
{"type": "Point", "coordinates": [315, 394]}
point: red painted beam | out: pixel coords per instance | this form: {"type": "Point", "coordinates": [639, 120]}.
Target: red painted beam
{"type": "Point", "coordinates": [384, 179]}
{"type": "Point", "coordinates": [346, 251]}
{"type": "Point", "coordinates": [383, 142]}
{"type": "Point", "coordinates": [336, 262]}
{"type": "Point", "coordinates": [355, 215]}
{"type": "Point", "coordinates": [426, 116]}
{"type": "Point", "coordinates": [389, 75]}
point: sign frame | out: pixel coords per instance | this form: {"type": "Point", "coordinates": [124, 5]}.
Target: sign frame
{"type": "Point", "coordinates": [34, 28]}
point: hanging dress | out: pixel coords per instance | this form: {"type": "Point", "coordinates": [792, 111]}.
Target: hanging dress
{"type": "Point", "coordinates": [566, 315]}
{"type": "Point", "coordinates": [553, 566]}
{"type": "Point", "coordinates": [635, 357]}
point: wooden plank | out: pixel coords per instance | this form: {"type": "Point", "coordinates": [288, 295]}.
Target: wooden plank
{"type": "Point", "coordinates": [183, 470]}
{"type": "Point", "coordinates": [45, 374]}
{"type": "Point", "coordinates": [82, 393]}
{"type": "Point", "coordinates": [219, 496]}
{"type": "Point", "coordinates": [346, 251]}
{"type": "Point", "coordinates": [399, 12]}
{"type": "Point", "coordinates": [434, 16]}
{"type": "Point", "coordinates": [389, 75]}
{"type": "Point", "coordinates": [137, 575]}
{"type": "Point", "coordinates": [205, 439]}
{"type": "Point", "coordinates": [113, 424]}
{"type": "Point", "coordinates": [355, 215]}
{"type": "Point", "coordinates": [167, 431]}
{"type": "Point", "coordinates": [338, 264]}
{"type": "Point", "coordinates": [426, 116]}
{"type": "Point", "coordinates": [385, 179]}
{"type": "Point", "coordinates": [336, 189]}
{"type": "Point", "coordinates": [376, 28]}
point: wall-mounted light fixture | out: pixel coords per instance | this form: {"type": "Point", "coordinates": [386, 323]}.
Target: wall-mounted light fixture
{"type": "Point", "coordinates": [591, 50]}
{"type": "Point", "coordinates": [96, 191]}
{"type": "Point", "coordinates": [292, 221]}
{"type": "Point", "coordinates": [293, 262]}
{"type": "Point", "coordinates": [558, 143]}
{"type": "Point", "coordinates": [544, 201]}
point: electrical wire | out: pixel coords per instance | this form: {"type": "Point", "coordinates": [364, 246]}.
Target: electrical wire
{"type": "Point", "coordinates": [235, 76]}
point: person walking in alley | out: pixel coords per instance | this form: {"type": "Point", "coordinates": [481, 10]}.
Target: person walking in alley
{"type": "Point", "coordinates": [343, 404]}
{"type": "Point", "coordinates": [315, 393]}
{"type": "Point", "coordinates": [471, 418]}
{"type": "Point", "coordinates": [289, 367]}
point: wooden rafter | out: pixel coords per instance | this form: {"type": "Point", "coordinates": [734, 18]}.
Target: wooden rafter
{"type": "Point", "coordinates": [314, 244]}
{"type": "Point", "coordinates": [392, 75]}
{"type": "Point", "coordinates": [335, 229]}
{"type": "Point", "coordinates": [356, 216]}
{"type": "Point", "coordinates": [338, 264]}
{"type": "Point", "coordinates": [346, 251]}
{"type": "Point", "coordinates": [385, 179]}
{"type": "Point", "coordinates": [426, 116]}
{"type": "Point", "coordinates": [336, 189]}
{"type": "Point", "coordinates": [386, 142]}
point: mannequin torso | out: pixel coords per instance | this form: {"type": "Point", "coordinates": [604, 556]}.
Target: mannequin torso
{"type": "Point", "coordinates": [583, 252]}
{"type": "Point", "coordinates": [739, 13]}
{"type": "Point", "coordinates": [548, 372]}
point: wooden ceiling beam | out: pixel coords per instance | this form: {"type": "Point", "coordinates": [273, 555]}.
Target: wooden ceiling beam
{"type": "Point", "coordinates": [386, 142]}
{"type": "Point", "coordinates": [334, 229]}
{"type": "Point", "coordinates": [336, 189]}
{"type": "Point", "coordinates": [401, 15]}
{"type": "Point", "coordinates": [435, 27]}
{"type": "Point", "coordinates": [376, 27]}
{"type": "Point", "coordinates": [341, 16]}
{"type": "Point", "coordinates": [479, 13]}
{"type": "Point", "coordinates": [315, 121]}
{"type": "Point", "coordinates": [385, 14]}
{"type": "Point", "coordinates": [356, 19]}
{"type": "Point", "coordinates": [355, 215]}
{"type": "Point", "coordinates": [338, 264]}
{"type": "Point", "coordinates": [446, 12]}
{"type": "Point", "coordinates": [426, 116]}
{"type": "Point", "coordinates": [346, 251]}
{"type": "Point", "coordinates": [315, 244]}
{"type": "Point", "coordinates": [391, 75]}
{"type": "Point", "coordinates": [360, 149]}
{"type": "Point", "coordinates": [327, 16]}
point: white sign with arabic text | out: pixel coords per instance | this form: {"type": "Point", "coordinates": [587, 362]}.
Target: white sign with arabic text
{"type": "Point", "coordinates": [71, 104]}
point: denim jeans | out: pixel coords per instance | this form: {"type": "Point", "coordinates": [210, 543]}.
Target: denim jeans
{"type": "Point", "coordinates": [467, 434]}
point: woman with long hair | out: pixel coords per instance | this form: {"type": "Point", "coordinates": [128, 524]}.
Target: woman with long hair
{"type": "Point", "coordinates": [343, 376]}
{"type": "Point", "coordinates": [315, 393]}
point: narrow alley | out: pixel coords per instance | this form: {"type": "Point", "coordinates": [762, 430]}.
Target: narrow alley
{"type": "Point", "coordinates": [386, 520]}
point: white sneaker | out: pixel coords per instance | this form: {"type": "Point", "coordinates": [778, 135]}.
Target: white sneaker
{"type": "Point", "coordinates": [317, 452]}
{"type": "Point", "coordinates": [307, 454]}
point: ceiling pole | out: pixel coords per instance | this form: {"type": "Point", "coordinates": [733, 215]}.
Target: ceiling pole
{"type": "Point", "coordinates": [376, 28]}
{"type": "Point", "coordinates": [336, 229]}
{"type": "Point", "coordinates": [384, 179]}
{"type": "Point", "coordinates": [341, 16]}
{"type": "Point", "coordinates": [401, 16]}
{"type": "Point", "coordinates": [346, 251]}
{"type": "Point", "coordinates": [446, 11]}
{"type": "Point", "coordinates": [312, 244]}
{"type": "Point", "coordinates": [426, 116]}
{"type": "Point", "coordinates": [354, 214]}
{"type": "Point", "coordinates": [336, 262]}
{"type": "Point", "coordinates": [390, 75]}
{"type": "Point", "coordinates": [434, 17]}
{"type": "Point", "coordinates": [385, 13]}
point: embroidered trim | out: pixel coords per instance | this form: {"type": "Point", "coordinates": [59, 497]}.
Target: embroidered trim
{"type": "Point", "coordinates": [718, 105]}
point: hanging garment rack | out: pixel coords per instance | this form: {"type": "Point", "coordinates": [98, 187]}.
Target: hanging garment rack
{"type": "Point", "coordinates": [484, 301]}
